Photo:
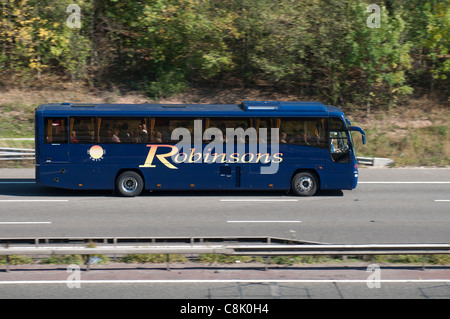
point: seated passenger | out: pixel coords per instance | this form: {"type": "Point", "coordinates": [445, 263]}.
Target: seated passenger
{"type": "Point", "coordinates": [73, 137]}
{"type": "Point", "coordinates": [142, 134]}
{"type": "Point", "coordinates": [115, 138]}
{"type": "Point", "coordinates": [283, 138]}
{"type": "Point", "coordinates": [158, 137]}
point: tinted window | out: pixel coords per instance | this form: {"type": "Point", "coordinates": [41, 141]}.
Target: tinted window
{"type": "Point", "coordinates": [82, 130]}
{"type": "Point", "coordinates": [305, 132]}
{"type": "Point", "coordinates": [238, 128]}
{"type": "Point", "coordinates": [267, 124]}
{"type": "Point", "coordinates": [123, 130]}
{"type": "Point", "coordinates": [161, 129]}
{"type": "Point", "coordinates": [55, 130]}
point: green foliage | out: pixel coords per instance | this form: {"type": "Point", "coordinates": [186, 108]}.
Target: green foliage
{"type": "Point", "coordinates": [34, 38]}
{"type": "Point", "coordinates": [318, 49]}
{"type": "Point", "coordinates": [73, 259]}
{"type": "Point", "coordinates": [222, 259]}
{"type": "Point", "coordinates": [151, 258]}
{"type": "Point", "coordinates": [167, 83]}
{"type": "Point", "coordinates": [225, 259]}
{"type": "Point", "coordinates": [414, 259]}
{"type": "Point", "coordinates": [292, 260]}
{"type": "Point", "coordinates": [64, 260]}
{"type": "Point", "coordinates": [16, 260]}
{"type": "Point", "coordinates": [429, 30]}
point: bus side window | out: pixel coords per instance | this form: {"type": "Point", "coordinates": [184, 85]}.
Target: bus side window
{"type": "Point", "coordinates": [161, 129]}
{"type": "Point", "coordinates": [238, 127]}
{"type": "Point", "coordinates": [82, 130]}
{"type": "Point", "coordinates": [55, 131]}
{"type": "Point", "coordinates": [304, 132]}
{"type": "Point", "coordinates": [124, 130]}
{"type": "Point", "coordinates": [263, 127]}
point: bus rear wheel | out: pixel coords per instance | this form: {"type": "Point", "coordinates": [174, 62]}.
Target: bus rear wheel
{"type": "Point", "coordinates": [129, 184]}
{"type": "Point", "coordinates": [304, 184]}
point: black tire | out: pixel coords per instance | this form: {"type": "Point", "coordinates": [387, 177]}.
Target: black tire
{"type": "Point", "coordinates": [304, 184]}
{"type": "Point", "coordinates": [129, 184]}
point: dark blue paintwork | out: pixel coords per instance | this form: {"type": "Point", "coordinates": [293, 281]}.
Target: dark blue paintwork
{"type": "Point", "coordinates": [70, 166]}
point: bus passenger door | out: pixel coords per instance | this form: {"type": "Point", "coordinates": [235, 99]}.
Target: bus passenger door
{"type": "Point", "coordinates": [55, 148]}
{"type": "Point", "coordinates": [339, 173]}
{"type": "Point", "coordinates": [340, 166]}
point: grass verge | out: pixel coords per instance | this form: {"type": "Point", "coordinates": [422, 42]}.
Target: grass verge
{"type": "Point", "coordinates": [226, 259]}
{"type": "Point", "coordinates": [415, 134]}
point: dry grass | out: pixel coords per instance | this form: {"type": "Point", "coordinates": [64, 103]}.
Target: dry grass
{"type": "Point", "coordinates": [416, 133]}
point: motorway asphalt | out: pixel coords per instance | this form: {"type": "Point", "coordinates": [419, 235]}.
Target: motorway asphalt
{"type": "Point", "coordinates": [405, 205]}
{"type": "Point", "coordinates": [235, 281]}
{"type": "Point", "coordinates": [388, 206]}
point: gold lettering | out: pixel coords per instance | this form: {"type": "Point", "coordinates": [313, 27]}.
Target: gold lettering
{"type": "Point", "coordinates": [192, 156]}
{"type": "Point", "coordinates": [217, 155]}
{"type": "Point", "coordinates": [177, 160]}
{"type": "Point", "coordinates": [277, 156]}
{"type": "Point", "coordinates": [251, 156]}
{"type": "Point", "coordinates": [234, 158]}
{"type": "Point", "coordinates": [259, 158]}
{"type": "Point", "coordinates": [161, 157]}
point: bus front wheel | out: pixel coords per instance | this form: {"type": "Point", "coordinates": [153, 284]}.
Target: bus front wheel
{"type": "Point", "coordinates": [304, 184]}
{"type": "Point", "coordinates": [129, 184]}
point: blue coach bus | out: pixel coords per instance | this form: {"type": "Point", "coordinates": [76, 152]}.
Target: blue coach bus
{"type": "Point", "coordinates": [256, 145]}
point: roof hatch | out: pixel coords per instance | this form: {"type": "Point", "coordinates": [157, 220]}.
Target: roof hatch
{"type": "Point", "coordinates": [283, 106]}
{"type": "Point", "coordinates": [260, 105]}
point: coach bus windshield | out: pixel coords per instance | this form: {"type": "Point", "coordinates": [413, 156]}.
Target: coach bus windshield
{"type": "Point", "coordinates": [339, 145]}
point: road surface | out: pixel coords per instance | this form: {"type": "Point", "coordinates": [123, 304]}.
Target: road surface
{"type": "Point", "coordinates": [388, 206]}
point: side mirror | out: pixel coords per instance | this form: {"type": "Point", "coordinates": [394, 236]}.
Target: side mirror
{"type": "Point", "coordinates": [360, 130]}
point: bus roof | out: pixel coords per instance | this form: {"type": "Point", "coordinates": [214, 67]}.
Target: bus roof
{"type": "Point", "coordinates": [246, 108]}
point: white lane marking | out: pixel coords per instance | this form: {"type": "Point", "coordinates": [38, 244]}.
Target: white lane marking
{"type": "Point", "coordinates": [23, 223]}
{"type": "Point", "coordinates": [394, 182]}
{"type": "Point", "coordinates": [17, 182]}
{"type": "Point", "coordinates": [33, 200]}
{"type": "Point", "coordinates": [259, 200]}
{"type": "Point", "coordinates": [442, 200]}
{"type": "Point", "coordinates": [169, 281]}
{"type": "Point", "coordinates": [263, 221]}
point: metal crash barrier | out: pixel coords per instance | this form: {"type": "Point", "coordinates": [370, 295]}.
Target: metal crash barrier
{"type": "Point", "coordinates": [248, 246]}
{"type": "Point", "coordinates": [16, 154]}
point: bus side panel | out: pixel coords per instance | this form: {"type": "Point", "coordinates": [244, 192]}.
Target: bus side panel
{"type": "Point", "coordinates": [77, 176]}
{"type": "Point", "coordinates": [279, 181]}
{"type": "Point", "coordinates": [292, 158]}
{"type": "Point", "coordinates": [98, 164]}
{"type": "Point", "coordinates": [37, 142]}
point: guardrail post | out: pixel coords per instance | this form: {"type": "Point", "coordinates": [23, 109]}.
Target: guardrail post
{"type": "Point", "coordinates": [168, 262]}
{"type": "Point", "coordinates": [266, 263]}
{"type": "Point", "coordinates": [7, 263]}
{"type": "Point", "coordinates": [7, 258]}
{"type": "Point", "coordinates": [87, 263]}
